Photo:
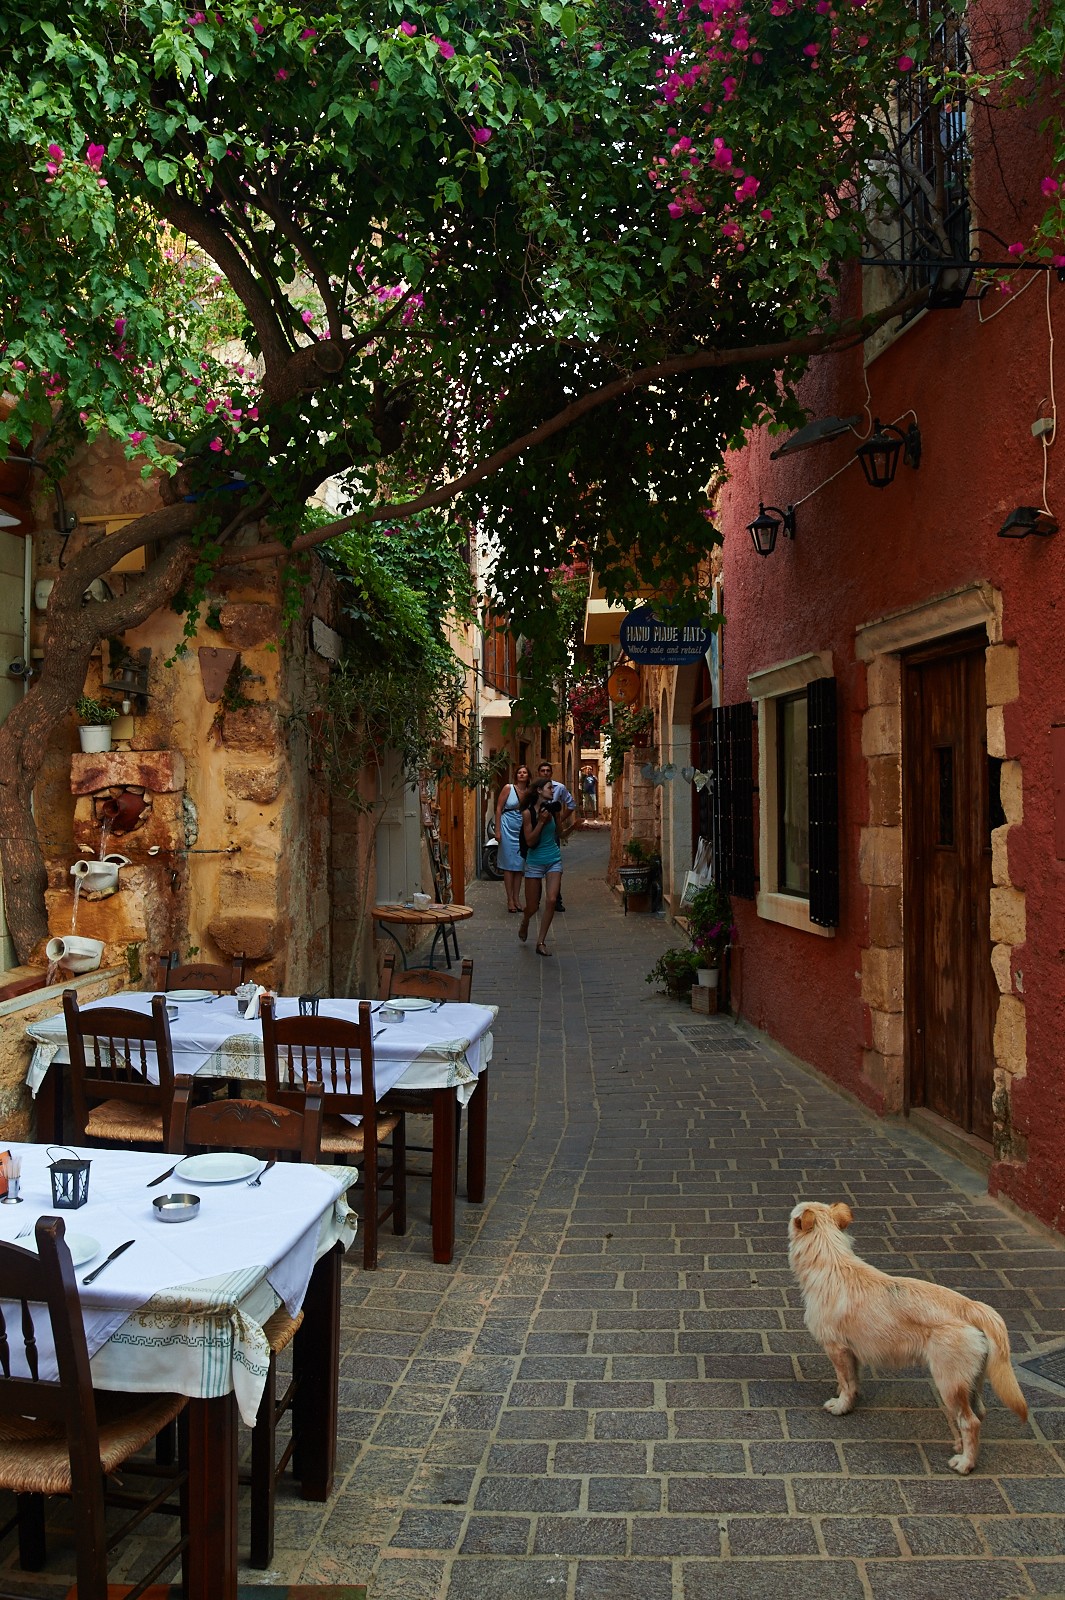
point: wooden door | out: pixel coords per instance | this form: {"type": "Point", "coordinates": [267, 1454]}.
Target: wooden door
{"type": "Point", "coordinates": [949, 984]}
{"type": "Point", "coordinates": [451, 799]}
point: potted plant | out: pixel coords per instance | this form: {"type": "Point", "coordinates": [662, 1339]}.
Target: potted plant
{"type": "Point", "coordinates": [95, 718]}
{"type": "Point", "coordinates": [635, 871]}
{"type": "Point", "coordinates": [712, 930]}
{"type": "Point", "coordinates": [675, 969]}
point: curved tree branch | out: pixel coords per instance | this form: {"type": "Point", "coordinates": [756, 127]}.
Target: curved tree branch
{"type": "Point", "coordinates": [824, 342]}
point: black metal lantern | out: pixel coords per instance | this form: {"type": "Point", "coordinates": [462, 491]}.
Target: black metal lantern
{"type": "Point", "coordinates": [879, 455]}
{"type": "Point", "coordinates": [765, 527]}
{"type": "Point", "coordinates": [70, 1182]}
{"type": "Point", "coordinates": [949, 284]}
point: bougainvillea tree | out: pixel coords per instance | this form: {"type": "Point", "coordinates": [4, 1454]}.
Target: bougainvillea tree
{"type": "Point", "coordinates": [552, 258]}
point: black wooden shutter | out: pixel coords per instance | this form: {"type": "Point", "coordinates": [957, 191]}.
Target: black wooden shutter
{"type": "Point", "coordinates": [823, 763]}
{"type": "Point", "coordinates": [733, 729]}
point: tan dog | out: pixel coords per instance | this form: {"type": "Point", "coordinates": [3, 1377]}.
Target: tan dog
{"type": "Point", "coordinates": [859, 1314]}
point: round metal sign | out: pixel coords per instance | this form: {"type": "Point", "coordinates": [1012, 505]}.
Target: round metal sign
{"type": "Point", "coordinates": [623, 685]}
{"type": "Point", "coordinates": [662, 644]}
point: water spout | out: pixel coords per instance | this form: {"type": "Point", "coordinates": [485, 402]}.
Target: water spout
{"type": "Point", "coordinates": [74, 913]}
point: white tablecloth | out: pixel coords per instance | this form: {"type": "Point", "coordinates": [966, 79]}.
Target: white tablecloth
{"type": "Point", "coordinates": [182, 1310]}
{"type": "Point", "coordinates": [446, 1048]}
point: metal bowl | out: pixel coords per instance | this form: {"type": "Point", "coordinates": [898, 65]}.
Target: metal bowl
{"type": "Point", "coordinates": [390, 1014]}
{"type": "Point", "coordinates": [176, 1207]}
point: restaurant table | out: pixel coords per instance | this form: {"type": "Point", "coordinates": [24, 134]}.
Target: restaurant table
{"type": "Point", "coordinates": [407, 915]}
{"type": "Point", "coordinates": [182, 1312]}
{"type": "Point", "coordinates": [445, 1049]}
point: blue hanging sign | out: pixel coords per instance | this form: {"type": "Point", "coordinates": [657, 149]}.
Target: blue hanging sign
{"type": "Point", "coordinates": [662, 644]}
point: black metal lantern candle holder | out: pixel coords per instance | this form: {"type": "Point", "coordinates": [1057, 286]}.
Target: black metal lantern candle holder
{"type": "Point", "coordinates": [70, 1182]}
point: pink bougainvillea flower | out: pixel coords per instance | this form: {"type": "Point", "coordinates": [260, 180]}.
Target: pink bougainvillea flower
{"type": "Point", "coordinates": [446, 50]}
{"type": "Point", "coordinates": [257, 25]}
{"type": "Point", "coordinates": [308, 317]}
{"type": "Point", "coordinates": [309, 33]}
{"type": "Point", "coordinates": [676, 210]}
{"type": "Point", "coordinates": [1016, 249]}
{"type": "Point", "coordinates": [94, 156]}
{"type": "Point", "coordinates": [408, 28]}
{"type": "Point", "coordinates": [216, 444]}
{"type": "Point", "coordinates": [1049, 186]}
{"type": "Point", "coordinates": [811, 50]}
{"type": "Point", "coordinates": [254, 413]}
{"type": "Point", "coordinates": [281, 74]}
{"type": "Point", "coordinates": [482, 135]}
{"type": "Point", "coordinates": [137, 437]}
{"type": "Point", "coordinates": [905, 63]}
{"type": "Point", "coordinates": [56, 152]}
{"type": "Point", "coordinates": [1058, 261]}
{"type": "Point", "coordinates": [862, 40]}
{"type": "Point", "coordinates": [766, 215]}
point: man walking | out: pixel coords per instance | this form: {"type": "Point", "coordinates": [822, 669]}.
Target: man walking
{"type": "Point", "coordinates": [569, 813]}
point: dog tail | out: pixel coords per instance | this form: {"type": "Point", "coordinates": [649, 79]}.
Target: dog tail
{"type": "Point", "coordinates": [1000, 1373]}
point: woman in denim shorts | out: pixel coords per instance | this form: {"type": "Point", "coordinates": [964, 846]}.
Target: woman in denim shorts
{"type": "Point", "coordinates": [543, 859]}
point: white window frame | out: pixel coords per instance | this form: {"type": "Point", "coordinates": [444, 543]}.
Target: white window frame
{"type": "Point", "coordinates": [765, 688]}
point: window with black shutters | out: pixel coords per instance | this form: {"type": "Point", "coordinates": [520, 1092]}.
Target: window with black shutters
{"type": "Point", "coordinates": [733, 798]}
{"type": "Point", "coordinates": [798, 783]}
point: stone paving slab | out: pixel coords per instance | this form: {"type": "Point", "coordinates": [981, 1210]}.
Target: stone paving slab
{"type": "Point", "coordinates": [610, 1391]}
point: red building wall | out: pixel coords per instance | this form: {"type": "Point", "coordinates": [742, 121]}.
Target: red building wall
{"type": "Point", "coordinates": [860, 553]}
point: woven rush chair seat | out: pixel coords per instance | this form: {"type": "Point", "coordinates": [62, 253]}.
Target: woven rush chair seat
{"type": "Point", "coordinates": [34, 1458]}
{"type": "Point", "coordinates": [121, 1122]}
{"type": "Point", "coordinates": [281, 1329]}
{"type": "Point", "coordinates": [340, 1138]}
{"type": "Point", "coordinates": [111, 1072]}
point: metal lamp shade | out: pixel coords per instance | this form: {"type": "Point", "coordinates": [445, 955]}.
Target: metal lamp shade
{"type": "Point", "coordinates": [879, 457]}
{"type": "Point", "coordinates": [763, 530]}
{"type": "Point", "coordinates": [70, 1183]}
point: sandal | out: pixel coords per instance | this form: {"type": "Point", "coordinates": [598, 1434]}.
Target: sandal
{"type": "Point", "coordinates": [542, 950]}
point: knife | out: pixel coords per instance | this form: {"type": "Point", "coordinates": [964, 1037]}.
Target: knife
{"type": "Point", "coordinates": [163, 1176]}
{"type": "Point", "coordinates": [95, 1273]}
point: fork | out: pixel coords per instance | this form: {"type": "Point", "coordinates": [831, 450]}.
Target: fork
{"type": "Point", "coordinates": [24, 1233]}
{"type": "Point", "coordinates": [253, 1183]}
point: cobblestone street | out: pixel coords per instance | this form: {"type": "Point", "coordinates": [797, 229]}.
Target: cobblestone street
{"type": "Point", "coordinates": [610, 1391]}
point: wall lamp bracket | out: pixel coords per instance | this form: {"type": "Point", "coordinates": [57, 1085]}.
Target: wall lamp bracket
{"type": "Point", "coordinates": [1024, 520]}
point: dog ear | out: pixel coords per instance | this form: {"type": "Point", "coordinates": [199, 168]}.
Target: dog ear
{"type": "Point", "coordinates": [842, 1215]}
{"type": "Point", "coordinates": [807, 1220]}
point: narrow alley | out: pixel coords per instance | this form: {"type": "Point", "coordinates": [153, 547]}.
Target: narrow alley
{"type": "Point", "coordinates": [610, 1392]}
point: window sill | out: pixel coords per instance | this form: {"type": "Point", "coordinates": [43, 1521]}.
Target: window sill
{"type": "Point", "coordinates": [792, 911]}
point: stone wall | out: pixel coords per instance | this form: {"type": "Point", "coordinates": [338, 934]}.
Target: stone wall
{"type": "Point", "coordinates": [224, 815]}
{"type": "Point", "coordinates": [16, 1048]}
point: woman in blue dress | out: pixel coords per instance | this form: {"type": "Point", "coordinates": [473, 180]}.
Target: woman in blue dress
{"type": "Point", "coordinates": [543, 859]}
{"type": "Point", "coordinates": [508, 832]}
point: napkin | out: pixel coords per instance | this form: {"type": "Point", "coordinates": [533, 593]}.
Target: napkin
{"type": "Point", "coordinates": [253, 1004]}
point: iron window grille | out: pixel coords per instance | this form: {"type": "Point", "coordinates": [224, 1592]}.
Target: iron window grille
{"type": "Point", "coordinates": [932, 220]}
{"type": "Point", "coordinates": [733, 798]}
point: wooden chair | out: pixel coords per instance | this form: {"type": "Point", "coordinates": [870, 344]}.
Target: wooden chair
{"type": "Point", "coordinates": [428, 984]}
{"type": "Point", "coordinates": [425, 982]}
{"type": "Point", "coordinates": [129, 1108]}
{"type": "Point", "coordinates": [60, 1437]}
{"type": "Point", "coordinates": [268, 1130]}
{"type": "Point", "coordinates": [300, 1051]}
{"type": "Point", "coordinates": [222, 977]}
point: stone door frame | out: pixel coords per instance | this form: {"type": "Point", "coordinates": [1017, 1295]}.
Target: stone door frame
{"type": "Point", "coordinates": [880, 644]}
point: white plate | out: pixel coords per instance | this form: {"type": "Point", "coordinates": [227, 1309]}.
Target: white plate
{"type": "Point", "coordinates": [177, 996]}
{"type": "Point", "coordinates": [216, 1166]}
{"type": "Point", "coordinates": [82, 1246]}
{"type": "Point", "coordinates": [410, 1003]}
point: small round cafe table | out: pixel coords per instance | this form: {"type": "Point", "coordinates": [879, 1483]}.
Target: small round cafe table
{"type": "Point", "coordinates": [441, 918]}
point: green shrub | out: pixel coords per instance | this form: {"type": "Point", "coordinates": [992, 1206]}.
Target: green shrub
{"type": "Point", "coordinates": [94, 713]}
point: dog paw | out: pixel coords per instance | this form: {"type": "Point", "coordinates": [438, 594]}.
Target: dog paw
{"type": "Point", "coordinates": [839, 1407]}
{"type": "Point", "coordinates": [961, 1464]}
